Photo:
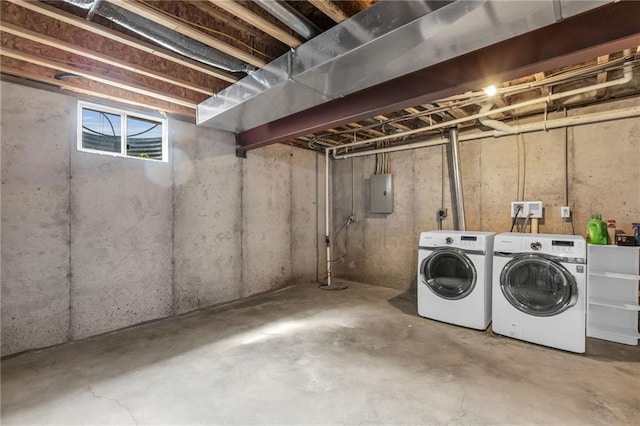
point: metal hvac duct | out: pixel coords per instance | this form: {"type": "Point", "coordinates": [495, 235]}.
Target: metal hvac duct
{"type": "Point", "coordinates": [388, 40]}
{"type": "Point", "coordinates": [162, 36]}
{"type": "Point", "coordinates": [290, 17]}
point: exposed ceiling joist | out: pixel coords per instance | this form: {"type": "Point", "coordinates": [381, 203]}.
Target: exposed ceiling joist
{"type": "Point", "coordinates": [96, 93]}
{"type": "Point", "coordinates": [58, 44]}
{"type": "Point", "coordinates": [422, 118]}
{"type": "Point", "coordinates": [602, 77]}
{"type": "Point", "coordinates": [184, 29]}
{"type": "Point", "coordinates": [257, 21]}
{"type": "Point", "coordinates": [116, 36]}
{"type": "Point", "coordinates": [565, 43]}
{"type": "Point", "coordinates": [331, 10]}
{"type": "Point", "coordinates": [236, 24]}
{"type": "Point", "coordinates": [384, 118]}
{"type": "Point", "coordinates": [135, 88]}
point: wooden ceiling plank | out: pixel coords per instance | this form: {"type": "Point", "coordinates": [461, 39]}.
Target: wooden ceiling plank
{"type": "Point", "coordinates": [602, 77]}
{"type": "Point", "coordinates": [21, 72]}
{"type": "Point", "coordinates": [11, 53]}
{"type": "Point", "coordinates": [329, 9]}
{"type": "Point", "coordinates": [184, 29]}
{"type": "Point", "coordinates": [384, 119]}
{"type": "Point", "coordinates": [78, 22]}
{"type": "Point", "coordinates": [539, 76]}
{"type": "Point", "coordinates": [420, 117]}
{"type": "Point", "coordinates": [456, 113]}
{"type": "Point", "coordinates": [90, 54]}
{"type": "Point", "coordinates": [257, 21]}
{"type": "Point", "coordinates": [240, 26]}
{"type": "Point", "coordinates": [360, 127]}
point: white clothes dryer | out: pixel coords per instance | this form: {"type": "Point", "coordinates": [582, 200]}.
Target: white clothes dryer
{"type": "Point", "coordinates": [454, 277]}
{"type": "Point", "coordinates": [539, 289]}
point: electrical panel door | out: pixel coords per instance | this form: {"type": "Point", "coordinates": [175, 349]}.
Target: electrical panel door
{"type": "Point", "coordinates": [381, 194]}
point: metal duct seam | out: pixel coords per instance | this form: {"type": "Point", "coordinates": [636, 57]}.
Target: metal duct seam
{"type": "Point", "coordinates": [164, 37]}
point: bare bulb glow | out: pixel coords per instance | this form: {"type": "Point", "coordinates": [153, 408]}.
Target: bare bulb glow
{"type": "Point", "coordinates": [491, 90]}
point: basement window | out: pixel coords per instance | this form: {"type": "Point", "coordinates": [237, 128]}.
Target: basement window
{"type": "Point", "coordinates": [120, 133]}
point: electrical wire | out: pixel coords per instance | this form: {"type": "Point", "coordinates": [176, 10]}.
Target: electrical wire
{"type": "Point", "coordinates": [515, 217]}
{"type": "Point", "coordinates": [527, 221]}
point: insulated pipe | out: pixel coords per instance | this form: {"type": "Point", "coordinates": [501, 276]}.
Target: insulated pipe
{"type": "Point", "coordinates": [290, 17]}
{"type": "Point", "coordinates": [455, 180]}
{"type": "Point", "coordinates": [533, 127]}
{"type": "Point", "coordinates": [327, 222]}
{"type": "Point", "coordinates": [628, 75]}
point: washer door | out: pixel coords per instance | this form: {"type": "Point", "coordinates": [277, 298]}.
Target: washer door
{"type": "Point", "coordinates": [538, 286]}
{"type": "Point", "coordinates": [449, 273]}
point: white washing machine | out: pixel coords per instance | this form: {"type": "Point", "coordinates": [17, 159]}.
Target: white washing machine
{"type": "Point", "coordinates": [454, 277]}
{"type": "Point", "coordinates": [539, 289]}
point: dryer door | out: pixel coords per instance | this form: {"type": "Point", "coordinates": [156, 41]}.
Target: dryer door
{"type": "Point", "coordinates": [538, 285]}
{"type": "Point", "coordinates": [449, 273]}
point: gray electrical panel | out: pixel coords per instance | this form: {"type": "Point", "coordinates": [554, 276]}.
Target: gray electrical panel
{"type": "Point", "coordinates": [381, 194]}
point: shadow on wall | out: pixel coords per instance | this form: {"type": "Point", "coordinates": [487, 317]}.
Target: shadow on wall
{"type": "Point", "coordinates": [407, 301]}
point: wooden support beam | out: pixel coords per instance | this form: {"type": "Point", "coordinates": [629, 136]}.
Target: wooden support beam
{"type": "Point", "coordinates": [398, 126]}
{"type": "Point", "coordinates": [132, 87]}
{"type": "Point", "coordinates": [96, 93]}
{"type": "Point", "coordinates": [329, 9]}
{"type": "Point", "coordinates": [360, 127]}
{"type": "Point", "coordinates": [602, 77]}
{"type": "Point", "coordinates": [237, 25]}
{"type": "Point", "coordinates": [539, 76]}
{"type": "Point", "coordinates": [96, 56]}
{"type": "Point", "coordinates": [184, 29]}
{"type": "Point", "coordinates": [257, 21]}
{"type": "Point", "coordinates": [422, 118]}
{"type": "Point", "coordinates": [116, 36]}
{"type": "Point", "coordinates": [456, 113]}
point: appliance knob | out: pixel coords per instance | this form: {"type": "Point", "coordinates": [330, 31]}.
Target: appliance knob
{"type": "Point", "coordinates": [449, 240]}
{"type": "Point", "coordinates": [536, 245]}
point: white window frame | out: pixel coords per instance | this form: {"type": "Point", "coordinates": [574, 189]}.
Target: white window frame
{"type": "Point", "coordinates": [123, 133]}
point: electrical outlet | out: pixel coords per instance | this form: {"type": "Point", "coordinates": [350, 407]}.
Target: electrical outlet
{"type": "Point", "coordinates": [519, 207]}
{"type": "Point", "coordinates": [565, 212]}
{"type": "Point", "coordinates": [532, 209]}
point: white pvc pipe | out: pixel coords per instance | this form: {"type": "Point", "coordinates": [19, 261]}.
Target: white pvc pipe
{"type": "Point", "coordinates": [327, 221]}
{"type": "Point", "coordinates": [628, 75]}
{"type": "Point", "coordinates": [422, 144]}
{"type": "Point", "coordinates": [503, 129]}
{"type": "Point", "coordinates": [524, 128]}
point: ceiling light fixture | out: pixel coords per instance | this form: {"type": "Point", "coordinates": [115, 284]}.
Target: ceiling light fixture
{"type": "Point", "coordinates": [490, 90]}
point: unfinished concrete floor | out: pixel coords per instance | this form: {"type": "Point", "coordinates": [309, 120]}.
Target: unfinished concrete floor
{"type": "Point", "coordinates": [306, 356]}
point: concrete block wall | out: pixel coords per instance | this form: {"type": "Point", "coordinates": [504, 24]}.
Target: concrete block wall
{"type": "Point", "coordinates": [93, 243]}
{"type": "Point", "coordinates": [602, 176]}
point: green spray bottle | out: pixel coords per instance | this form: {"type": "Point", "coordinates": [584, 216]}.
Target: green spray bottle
{"type": "Point", "coordinates": [596, 230]}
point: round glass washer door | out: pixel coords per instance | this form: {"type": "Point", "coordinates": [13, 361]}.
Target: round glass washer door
{"type": "Point", "coordinates": [449, 273]}
{"type": "Point", "coordinates": [538, 286]}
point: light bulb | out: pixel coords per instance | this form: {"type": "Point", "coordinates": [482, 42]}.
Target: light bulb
{"type": "Point", "coordinates": [491, 90]}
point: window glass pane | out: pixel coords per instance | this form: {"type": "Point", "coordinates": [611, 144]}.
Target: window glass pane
{"type": "Point", "coordinates": [101, 131]}
{"type": "Point", "coordinates": [144, 138]}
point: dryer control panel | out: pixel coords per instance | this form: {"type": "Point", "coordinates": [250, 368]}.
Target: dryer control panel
{"type": "Point", "coordinates": [457, 239]}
